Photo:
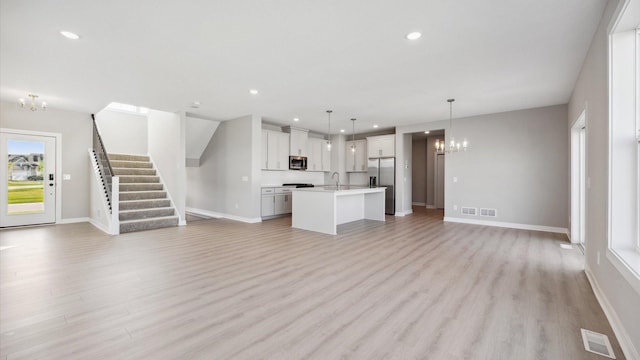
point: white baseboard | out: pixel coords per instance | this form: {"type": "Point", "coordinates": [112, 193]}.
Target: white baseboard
{"type": "Point", "coordinates": [629, 350]}
{"type": "Point", "coordinates": [73, 220]}
{"type": "Point", "coordinates": [99, 226]}
{"type": "Point", "coordinates": [418, 204]}
{"type": "Point", "coordinates": [403, 213]}
{"type": "Point", "coordinates": [431, 207]}
{"type": "Point", "coordinates": [218, 215]}
{"type": "Point", "coordinates": [507, 225]}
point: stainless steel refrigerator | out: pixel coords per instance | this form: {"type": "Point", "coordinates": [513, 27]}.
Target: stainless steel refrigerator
{"type": "Point", "coordinates": [382, 173]}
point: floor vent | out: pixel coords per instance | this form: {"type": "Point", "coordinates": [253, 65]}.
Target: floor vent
{"type": "Point", "coordinates": [488, 212]}
{"type": "Point", "coordinates": [597, 343]}
{"type": "Point", "coordinates": [469, 211]}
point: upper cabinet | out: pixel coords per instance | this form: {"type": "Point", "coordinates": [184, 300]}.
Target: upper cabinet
{"type": "Point", "coordinates": [275, 147]}
{"type": "Point", "coordinates": [356, 156]}
{"type": "Point", "coordinates": [299, 141]}
{"type": "Point", "coordinates": [319, 158]}
{"type": "Point", "coordinates": [381, 146]}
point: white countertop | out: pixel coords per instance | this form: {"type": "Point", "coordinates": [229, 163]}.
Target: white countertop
{"type": "Point", "coordinates": [344, 190]}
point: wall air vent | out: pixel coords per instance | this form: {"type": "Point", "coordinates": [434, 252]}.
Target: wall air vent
{"type": "Point", "coordinates": [488, 212]}
{"type": "Point", "coordinates": [469, 211]}
{"type": "Point", "coordinates": [597, 343]}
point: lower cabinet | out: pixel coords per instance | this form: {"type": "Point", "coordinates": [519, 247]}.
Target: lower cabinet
{"type": "Point", "coordinates": [276, 201]}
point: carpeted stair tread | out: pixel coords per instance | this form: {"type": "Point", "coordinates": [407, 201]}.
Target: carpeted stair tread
{"type": "Point", "coordinates": [141, 187]}
{"type": "Point", "coordinates": [142, 195]}
{"type": "Point", "coordinates": [148, 224]}
{"type": "Point", "coordinates": [133, 171]}
{"type": "Point", "coordinates": [129, 179]}
{"type": "Point", "coordinates": [131, 164]}
{"type": "Point", "coordinates": [127, 157]}
{"type": "Point", "coordinates": [144, 204]}
{"type": "Point", "coordinates": [126, 215]}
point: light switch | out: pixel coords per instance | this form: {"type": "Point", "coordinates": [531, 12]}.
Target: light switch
{"type": "Point", "coordinates": [245, 178]}
{"type": "Point", "coordinates": [66, 177]}
{"type": "Point", "coordinates": [455, 179]}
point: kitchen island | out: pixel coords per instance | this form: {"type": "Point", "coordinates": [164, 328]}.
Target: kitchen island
{"type": "Point", "coordinates": [322, 209]}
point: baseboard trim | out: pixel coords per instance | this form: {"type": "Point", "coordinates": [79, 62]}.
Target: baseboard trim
{"type": "Point", "coordinates": [403, 213]}
{"type": "Point", "coordinates": [219, 215]}
{"type": "Point", "coordinates": [99, 226]}
{"type": "Point", "coordinates": [507, 225]}
{"type": "Point", "coordinates": [418, 204]}
{"type": "Point", "coordinates": [73, 220]}
{"type": "Point", "coordinates": [629, 350]}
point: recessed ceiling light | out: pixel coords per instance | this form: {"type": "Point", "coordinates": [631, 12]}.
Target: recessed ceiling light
{"type": "Point", "coordinates": [426, 132]}
{"type": "Point", "coordinates": [195, 104]}
{"type": "Point", "coordinates": [70, 35]}
{"type": "Point", "coordinates": [341, 130]}
{"type": "Point", "coordinates": [375, 126]}
{"type": "Point", "coordinates": [414, 35]}
{"type": "Point", "coordinates": [253, 92]}
{"type": "Point", "coordinates": [296, 119]}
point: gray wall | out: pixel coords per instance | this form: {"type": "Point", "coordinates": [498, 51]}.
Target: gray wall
{"type": "Point", "coordinates": [419, 172]}
{"type": "Point", "coordinates": [217, 185]}
{"type": "Point", "coordinates": [517, 163]}
{"type": "Point", "coordinates": [591, 91]}
{"type": "Point", "coordinates": [166, 139]}
{"type": "Point", "coordinates": [123, 133]}
{"type": "Point", "coordinates": [76, 131]}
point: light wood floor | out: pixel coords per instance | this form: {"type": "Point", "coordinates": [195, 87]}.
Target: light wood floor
{"type": "Point", "coordinates": [413, 288]}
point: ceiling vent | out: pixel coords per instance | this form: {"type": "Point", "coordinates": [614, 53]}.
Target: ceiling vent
{"type": "Point", "coordinates": [488, 212]}
{"type": "Point", "coordinates": [469, 211]}
{"type": "Point", "coordinates": [597, 343]}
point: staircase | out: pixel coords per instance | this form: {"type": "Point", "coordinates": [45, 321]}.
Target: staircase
{"type": "Point", "coordinates": [144, 204]}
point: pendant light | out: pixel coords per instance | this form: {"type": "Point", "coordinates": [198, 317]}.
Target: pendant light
{"type": "Point", "coordinates": [353, 135]}
{"type": "Point", "coordinates": [329, 131]}
{"type": "Point", "coordinates": [453, 145]}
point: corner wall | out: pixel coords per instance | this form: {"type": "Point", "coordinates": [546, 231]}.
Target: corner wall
{"type": "Point", "coordinates": [123, 133]}
{"type": "Point", "coordinates": [227, 183]}
{"type": "Point", "coordinates": [76, 130]}
{"type": "Point", "coordinates": [517, 163]}
{"type": "Point", "coordinates": [591, 92]}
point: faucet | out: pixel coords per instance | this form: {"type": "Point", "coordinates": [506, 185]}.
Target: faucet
{"type": "Point", "coordinates": [338, 181]}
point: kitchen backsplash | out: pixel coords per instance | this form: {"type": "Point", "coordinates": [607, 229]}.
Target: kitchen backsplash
{"type": "Point", "coordinates": [283, 177]}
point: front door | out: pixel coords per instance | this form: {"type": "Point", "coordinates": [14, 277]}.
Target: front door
{"type": "Point", "coordinates": [28, 180]}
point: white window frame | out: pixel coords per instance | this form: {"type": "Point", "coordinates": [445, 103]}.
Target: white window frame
{"type": "Point", "coordinates": [624, 155]}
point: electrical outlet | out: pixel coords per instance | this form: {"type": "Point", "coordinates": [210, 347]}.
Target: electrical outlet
{"type": "Point", "coordinates": [455, 179]}
{"type": "Point", "coordinates": [598, 258]}
{"type": "Point", "coordinates": [236, 205]}
{"type": "Point", "coordinates": [455, 207]}
{"type": "Point", "coordinates": [245, 178]}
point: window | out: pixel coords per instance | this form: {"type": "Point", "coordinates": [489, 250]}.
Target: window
{"type": "Point", "coordinates": [624, 153]}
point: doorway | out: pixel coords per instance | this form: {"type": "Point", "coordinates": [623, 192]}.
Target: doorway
{"type": "Point", "coordinates": [28, 184]}
{"type": "Point", "coordinates": [579, 180]}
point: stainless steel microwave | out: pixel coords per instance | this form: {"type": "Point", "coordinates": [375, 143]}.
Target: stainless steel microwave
{"type": "Point", "coordinates": [297, 163]}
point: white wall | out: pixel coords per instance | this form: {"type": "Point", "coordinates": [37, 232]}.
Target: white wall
{"type": "Point", "coordinates": [123, 133]}
{"type": "Point", "coordinates": [232, 154]}
{"type": "Point", "coordinates": [76, 130]}
{"type": "Point", "coordinates": [517, 163]}
{"type": "Point", "coordinates": [166, 146]}
{"type": "Point", "coordinates": [591, 92]}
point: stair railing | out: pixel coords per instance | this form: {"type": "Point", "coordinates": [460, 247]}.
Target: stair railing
{"type": "Point", "coordinates": [104, 164]}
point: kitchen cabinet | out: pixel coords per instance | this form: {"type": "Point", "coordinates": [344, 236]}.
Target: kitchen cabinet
{"type": "Point", "coordinates": [268, 202]}
{"type": "Point", "coordinates": [381, 146]}
{"type": "Point", "coordinates": [298, 142]}
{"type": "Point", "coordinates": [356, 161]}
{"type": "Point", "coordinates": [276, 149]}
{"type": "Point", "coordinates": [275, 201]}
{"type": "Point", "coordinates": [314, 160]}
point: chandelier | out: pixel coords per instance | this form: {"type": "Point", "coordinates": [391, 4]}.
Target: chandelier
{"type": "Point", "coordinates": [32, 106]}
{"type": "Point", "coordinates": [453, 145]}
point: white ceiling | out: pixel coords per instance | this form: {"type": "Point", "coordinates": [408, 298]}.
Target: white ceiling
{"type": "Point", "coordinates": [303, 56]}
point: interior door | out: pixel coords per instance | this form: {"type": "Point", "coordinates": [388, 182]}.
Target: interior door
{"type": "Point", "coordinates": [439, 181]}
{"type": "Point", "coordinates": [28, 184]}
